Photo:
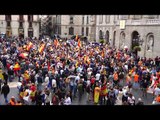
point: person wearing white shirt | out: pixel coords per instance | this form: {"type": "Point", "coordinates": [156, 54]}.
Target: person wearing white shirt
{"type": "Point", "coordinates": [98, 76]}
{"type": "Point", "coordinates": [77, 78]}
{"type": "Point", "coordinates": [46, 80]}
{"type": "Point", "coordinates": [67, 100]}
{"type": "Point", "coordinates": [54, 85]}
{"type": "Point", "coordinates": [131, 99]}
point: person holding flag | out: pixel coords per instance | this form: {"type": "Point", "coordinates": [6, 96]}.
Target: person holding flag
{"type": "Point", "coordinates": [76, 37]}
{"type": "Point", "coordinates": [16, 68]}
{"type": "Point", "coordinates": [56, 43]}
{"type": "Point", "coordinates": [42, 46]}
{"type": "Point", "coordinates": [29, 46]}
{"type": "Point", "coordinates": [79, 43]}
{"type": "Point", "coordinates": [97, 91]}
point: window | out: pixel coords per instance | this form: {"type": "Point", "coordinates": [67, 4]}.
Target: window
{"type": "Point", "coordinates": [100, 19]}
{"type": "Point", "coordinates": [20, 17]}
{"type": "Point", "coordinates": [9, 24]}
{"type": "Point", "coordinates": [87, 20]}
{"type": "Point", "coordinates": [71, 19]}
{"type": "Point", "coordinates": [8, 17]}
{"type": "Point", "coordinates": [87, 29]}
{"type": "Point", "coordinates": [20, 24]}
{"type": "Point", "coordinates": [82, 31]}
{"type": "Point", "coordinates": [107, 18]}
{"type": "Point", "coordinates": [30, 18]}
{"type": "Point", "coordinates": [83, 20]}
{"type": "Point", "coordinates": [71, 31]}
{"type": "Point", "coordinates": [30, 24]}
{"type": "Point", "coordinates": [59, 30]}
{"type": "Point", "coordinates": [58, 19]}
{"type": "Point", "coordinates": [100, 34]}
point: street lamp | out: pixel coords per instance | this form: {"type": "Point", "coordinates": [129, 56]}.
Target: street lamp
{"type": "Point", "coordinates": [140, 40]}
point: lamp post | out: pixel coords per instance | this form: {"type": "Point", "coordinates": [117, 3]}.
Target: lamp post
{"type": "Point", "coordinates": [140, 41]}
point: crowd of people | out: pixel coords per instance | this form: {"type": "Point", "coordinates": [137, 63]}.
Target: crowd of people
{"type": "Point", "coordinates": [54, 72]}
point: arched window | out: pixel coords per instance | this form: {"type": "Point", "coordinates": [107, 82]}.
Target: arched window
{"type": "Point", "coordinates": [82, 31]}
{"type": "Point", "coordinates": [87, 30]}
{"type": "Point", "coordinates": [107, 36]}
{"type": "Point", "coordinates": [87, 19]}
{"type": "Point", "coordinates": [100, 34]}
{"type": "Point", "coordinates": [71, 19]}
{"type": "Point", "coordinates": [71, 31]}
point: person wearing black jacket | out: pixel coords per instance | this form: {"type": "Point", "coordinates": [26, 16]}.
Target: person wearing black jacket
{"type": "Point", "coordinates": [5, 91]}
{"type": "Point", "coordinates": [39, 98]}
{"type": "Point", "coordinates": [5, 77]}
{"type": "Point", "coordinates": [10, 74]}
{"type": "Point", "coordinates": [144, 87]}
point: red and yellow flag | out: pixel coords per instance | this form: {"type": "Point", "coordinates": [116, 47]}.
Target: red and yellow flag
{"type": "Point", "coordinates": [41, 48]}
{"type": "Point", "coordinates": [76, 36]}
{"type": "Point", "coordinates": [16, 66]}
{"type": "Point", "coordinates": [56, 43]}
{"type": "Point", "coordinates": [29, 46]}
{"type": "Point", "coordinates": [102, 53]}
{"type": "Point", "coordinates": [79, 43]}
{"type": "Point", "coordinates": [97, 91]}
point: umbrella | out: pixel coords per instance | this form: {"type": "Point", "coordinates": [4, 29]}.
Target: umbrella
{"type": "Point", "coordinates": [23, 55]}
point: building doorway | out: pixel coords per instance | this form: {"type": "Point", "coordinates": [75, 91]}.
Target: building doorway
{"type": "Point", "coordinates": [107, 36]}
{"type": "Point", "coordinates": [114, 38]}
{"type": "Point", "coordinates": [135, 39]}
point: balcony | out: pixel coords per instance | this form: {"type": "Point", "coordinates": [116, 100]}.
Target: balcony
{"type": "Point", "coordinates": [141, 22]}
{"type": "Point", "coordinates": [152, 21]}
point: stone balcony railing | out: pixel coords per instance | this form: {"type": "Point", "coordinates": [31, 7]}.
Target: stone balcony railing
{"type": "Point", "coordinates": [141, 22]}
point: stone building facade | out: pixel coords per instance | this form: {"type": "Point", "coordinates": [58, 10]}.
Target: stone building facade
{"type": "Point", "coordinates": [20, 25]}
{"type": "Point", "coordinates": [130, 31]}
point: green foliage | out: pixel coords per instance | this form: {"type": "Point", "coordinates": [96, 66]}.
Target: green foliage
{"type": "Point", "coordinates": [101, 40]}
{"type": "Point", "coordinates": [137, 48]}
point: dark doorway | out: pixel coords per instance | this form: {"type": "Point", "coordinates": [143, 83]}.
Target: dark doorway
{"type": "Point", "coordinates": [107, 36]}
{"type": "Point", "coordinates": [135, 39]}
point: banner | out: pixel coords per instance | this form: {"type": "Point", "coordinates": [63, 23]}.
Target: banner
{"type": "Point", "coordinates": [122, 24]}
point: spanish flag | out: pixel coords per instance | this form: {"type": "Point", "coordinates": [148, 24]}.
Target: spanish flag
{"type": "Point", "coordinates": [1, 75]}
{"type": "Point", "coordinates": [56, 43]}
{"type": "Point", "coordinates": [102, 53]}
{"type": "Point", "coordinates": [29, 46]}
{"type": "Point", "coordinates": [41, 48]}
{"type": "Point", "coordinates": [26, 75]}
{"type": "Point", "coordinates": [97, 91]}
{"type": "Point", "coordinates": [79, 43]}
{"type": "Point", "coordinates": [104, 90]}
{"type": "Point", "coordinates": [76, 36]}
{"type": "Point", "coordinates": [87, 60]}
{"type": "Point", "coordinates": [16, 66]}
